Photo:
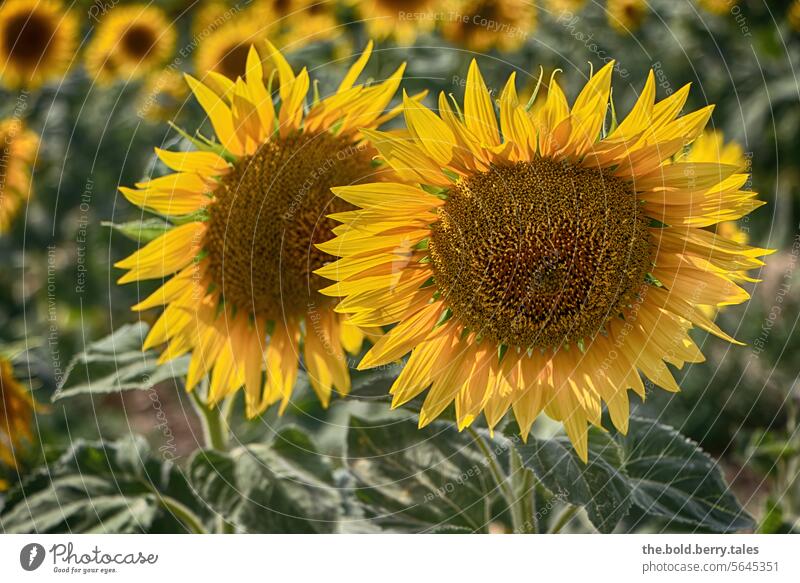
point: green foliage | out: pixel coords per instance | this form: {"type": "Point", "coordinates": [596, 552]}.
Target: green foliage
{"type": "Point", "coordinates": [654, 467]}
{"type": "Point", "coordinates": [419, 480]}
{"type": "Point", "coordinates": [117, 363]}
{"type": "Point", "coordinates": [119, 487]}
{"type": "Point", "coordinates": [285, 487]}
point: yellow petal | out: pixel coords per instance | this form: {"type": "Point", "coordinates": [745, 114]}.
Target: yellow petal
{"type": "Point", "coordinates": [219, 113]}
{"type": "Point", "coordinates": [479, 112]}
{"type": "Point", "coordinates": [164, 256]}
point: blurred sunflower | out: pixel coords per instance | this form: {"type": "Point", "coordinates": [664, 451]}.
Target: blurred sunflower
{"type": "Point", "coordinates": [793, 15]}
{"type": "Point", "coordinates": [481, 25]}
{"type": "Point", "coordinates": [541, 264]}
{"type": "Point", "coordinates": [711, 147]}
{"type": "Point", "coordinates": [243, 298]}
{"type": "Point", "coordinates": [225, 51]}
{"type": "Point", "coordinates": [312, 21]}
{"type": "Point", "coordinates": [558, 6]}
{"type": "Point", "coordinates": [718, 7]}
{"type": "Point", "coordinates": [626, 16]}
{"type": "Point", "coordinates": [37, 42]}
{"type": "Point", "coordinates": [401, 21]}
{"type": "Point", "coordinates": [210, 15]}
{"type": "Point", "coordinates": [17, 407]}
{"type": "Point", "coordinates": [131, 41]}
{"type": "Point", "coordinates": [18, 147]}
{"type": "Point", "coordinates": [162, 95]}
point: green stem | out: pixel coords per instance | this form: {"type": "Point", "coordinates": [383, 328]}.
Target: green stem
{"type": "Point", "coordinates": [522, 490]}
{"type": "Point", "coordinates": [563, 519]}
{"type": "Point", "coordinates": [518, 522]}
{"type": "Point", "coordinates": [216, 433]}
{"type": "Point", "coordinates": [215, 426]}
{"type": "Point", "coordinates": [182, 513]}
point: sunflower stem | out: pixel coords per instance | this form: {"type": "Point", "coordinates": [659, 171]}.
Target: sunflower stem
{"type": "Point", "coordinates": [523, 489]}
{"type": "Point", "coordinates": [216, 433]}
{"type": "Point", "coordinates": [215, 426]}
{"type": "Point", "coordinates": [563, 519]}
{"type": "Point", "coordinates": [188, 518]}
{"type": "Point", "coordinates": [519, 523]}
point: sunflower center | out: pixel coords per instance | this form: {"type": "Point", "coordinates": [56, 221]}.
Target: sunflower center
{"type": "Point", "coordinates": [233, 63]}
{"type": "Point", "coordinates": [539, 253]}
{"type": "Point", "coordinates": [271, 211]}
{"type": "Point", "coordinates": [27, 37]}
{"type": "Point", "coordinates": [139, 40]}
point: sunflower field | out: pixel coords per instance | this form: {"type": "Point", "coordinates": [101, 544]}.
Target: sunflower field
{"type": "Point", "coordinates": [436, 266]}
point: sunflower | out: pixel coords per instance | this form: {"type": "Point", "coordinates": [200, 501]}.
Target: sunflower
{"type": "Point", "coordinates": [718, 7]}
{"type": "Point", "coordinates": [397, 19]}
{"type": "Point", "coordinates": [130, 42]}
{"type": "Point", "coordinates": [481, 25]}
{"type": "Point", "coordinates": [793, 15]}
{"type": "Point", "coordinates": [312, 21]}
{"type": "Point", "coordinates": [626, 16]}
{"type": "Point", "coordinates": [243, 300]}
{"type": "Point", "coordinates": [541, 264]}
{"type": "Point", "coordinates": [558, 6]}
{"type": "Point", "coordinates": [18, 147]}
{"type": "Point", "coordinates": [16, 412]}
{"type": "Point", "coordinates": [37, 42]}
{"type": "Point", "coordinates": [161, 95]}
{"type": "Point", "coordinates": [210, 15]}
{"type": "Point", "coordinates": [225, 51]}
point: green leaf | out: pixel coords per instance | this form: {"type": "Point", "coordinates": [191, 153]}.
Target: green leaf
{"type": "Point", "coordinates": [600, 486]}
{"type": "Point", "coordinates": [142, 231]}
{"type": "Point", "coordinates": [102, 487]}
{"type": "Point", "coordinates": [234, 485]}
{"type": "Point", "coordinates": [284, 487]}
{"type": "Point", "coordinates": [673, 478]}
{"type": "Point", "coordinates": [117, 363]}
{"type": "Point", "coordinates": [419, 479]}
{"type": "Point", "coordinates": [654, 467]}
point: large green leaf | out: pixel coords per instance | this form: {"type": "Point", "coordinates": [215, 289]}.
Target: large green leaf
{"type": "Point", "coordinates": [671, 477]}
{"type": "Point", "coordinates": [600, 486]}
{"type": "Point", "coordinates": [419, 479]}
{"type": "Point", "coordinates": [117, 363]}
{"type": "Point", "coordinates": [654, 467]}
{"type": "Point", "coordinates": [284, 487]}
{"type": "Point", "coordinates": [115, 487]}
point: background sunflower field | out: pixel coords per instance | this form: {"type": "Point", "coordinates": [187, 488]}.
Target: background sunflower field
{"type": "Point", "coordinates": [98, 436]}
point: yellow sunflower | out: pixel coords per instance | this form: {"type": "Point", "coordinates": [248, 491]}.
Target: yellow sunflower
{"type": "Point", "coordinates": [481, 25]}
{"type": "Point", "coordinates": [131, 41]}
{"type": "Point", "coordinates": [543, 263]}
{"type": "Point", "coordinates": [16, 413]}
{"type": "Point", "coordinates": [718, 7]}
{"type": "Point", "coordinates": [162, 95]}
{"type": "Point", "coordinates": [625, 16]}
{"type": "Point", "coordinates": [18, 147]}
{"type": "Point", "coordinates": [210, 15]}
{"type": "Point", "coordinates": [793, 15]}
{"type": "Point", "coordinates": [243, 300]}
{"type": "Point", "coordinates": [38, 39]}
{"type": "Point", "coordinates": [226, 50]}
{"type": "Point", "coordinates": [397, 19]}
{"type": "Point", "coordinates": [558, 6]}
{"type": "Point", "coordinates": [312, 21]}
